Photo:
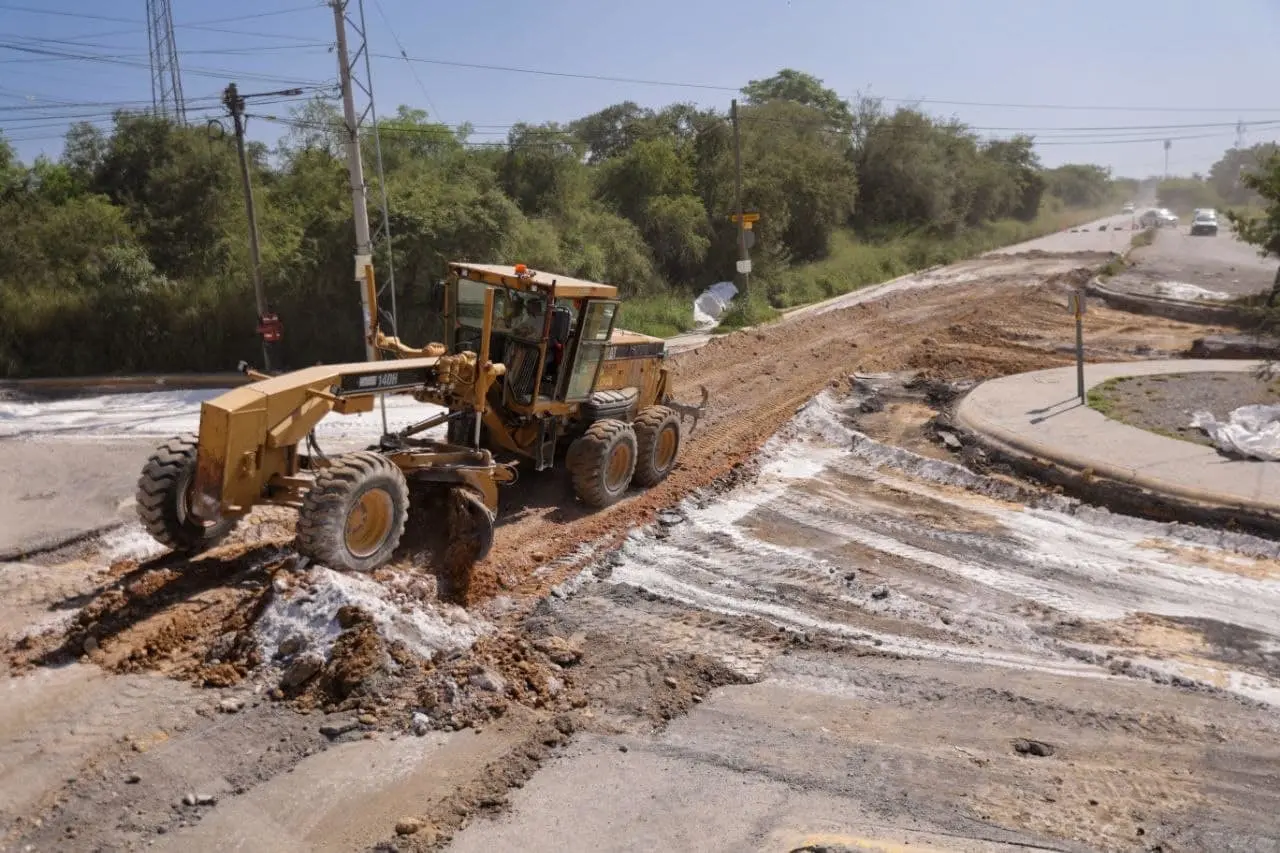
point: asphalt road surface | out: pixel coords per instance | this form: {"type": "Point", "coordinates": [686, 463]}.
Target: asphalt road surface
{"type": "Point", "coordinates": [1221, 264]}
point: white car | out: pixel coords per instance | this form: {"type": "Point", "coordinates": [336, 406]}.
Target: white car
{"type": "Point", "coordinates": [1158, 218]}
{"type": "Point", "coordinates": [1205, 221]}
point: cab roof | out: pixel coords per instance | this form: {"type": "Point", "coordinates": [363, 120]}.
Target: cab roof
{"type": "Point", "coordinates": [507, 276]}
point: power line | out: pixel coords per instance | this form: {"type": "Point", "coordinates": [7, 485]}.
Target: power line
{"type": "Point", "coordinates": [9, 7]}
{"type": "Point", "coordinates": [721, 88]}
{"type": "Point", "coordinates": [221, 73]}
{"type": "Point", "coordinates": [561, 139]}
{"type": "Point", "coordinates": [404, 55]}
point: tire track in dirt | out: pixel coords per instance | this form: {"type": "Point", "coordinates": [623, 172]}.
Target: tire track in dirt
{"type": "Point", "coordinates": [757, 380]}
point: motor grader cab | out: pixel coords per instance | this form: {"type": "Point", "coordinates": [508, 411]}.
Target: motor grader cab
{"type": "Point", "coordinates": [576, 388]}
{"type": "Point", "coordinates": [576, 380]}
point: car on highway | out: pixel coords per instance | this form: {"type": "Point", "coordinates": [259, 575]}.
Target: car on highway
{"type": "Point", "coordinates": [1128, 207]}
{"type": "Point", "coordinates": [1160, 217]}
{"type": "Point", "coordinates": [1205, 221]}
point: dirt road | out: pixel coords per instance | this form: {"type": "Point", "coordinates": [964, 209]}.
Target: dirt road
{"type": "Point", "coordinates": [849, 637]}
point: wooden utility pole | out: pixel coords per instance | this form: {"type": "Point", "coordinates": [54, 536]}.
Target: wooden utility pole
{"type": "Point", "coordinates": [744, 257]}
{"type": "Point", "coordinates": [355, 169]}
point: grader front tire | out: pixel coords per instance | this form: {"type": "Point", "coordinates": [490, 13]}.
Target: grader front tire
{"type": "Point", "coordinates": [354, 515]}
{"type": "Point", "coordinates": [602, 461]}
{"type": "Point", "coordinates": [658, 443]}
{"type": "Point", "coordinates": [164, 499]}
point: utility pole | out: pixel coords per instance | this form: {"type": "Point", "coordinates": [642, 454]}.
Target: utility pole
{"type": "Point", "coordinates": [235, 105]}
{"type": "Point", "coordinates": [744, 258]}
{"type": "Point", "coordinates": [1168, 143]}
{"type": "Point", "coordinates": [360, 210]}
{"type": "Point", "coordinates": [234, 102]}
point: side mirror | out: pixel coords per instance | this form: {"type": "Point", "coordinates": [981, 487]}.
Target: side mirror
{"type": "Point", "coordinates": [561, 321]}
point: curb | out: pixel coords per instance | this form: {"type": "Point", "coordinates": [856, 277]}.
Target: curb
{"type": "Point", "coordinates": [1170, 309]}
{"type": "Point", "coordinates": [1159, 306]}
{"type": "Point", "coordinates": [1094, 477]}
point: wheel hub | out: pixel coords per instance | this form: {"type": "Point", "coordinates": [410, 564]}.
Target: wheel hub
{"type": "Point", "coordinates": [666, 449]}
{"type": "Point", "coordinates": [368, 522]}
{"type": "Point", "coordinates": [619, 468]}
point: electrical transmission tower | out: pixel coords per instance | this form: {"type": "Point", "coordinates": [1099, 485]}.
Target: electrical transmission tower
{"type": "Point", "coordinates": [1240, 138]}
{"type": "Point", "coordinates": [166, 77]}
{"type": "Point", "coordinates": [359, 113]}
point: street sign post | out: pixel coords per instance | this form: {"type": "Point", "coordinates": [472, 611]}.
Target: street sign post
{"type": "Point", "coordinates": [1076, 304]}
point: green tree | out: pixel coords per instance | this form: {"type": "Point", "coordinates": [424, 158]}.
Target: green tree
{"type": "Point", "coordinates": [542, 168]}
{"type": "Point", "coordinates": [800, 88]}
{"type": "Point", "coordinates": [1226, 175]}
{"type": "Point", "coordinates": [1262, 230]}
{"type": "Point", "coordinates": [1080, 185]}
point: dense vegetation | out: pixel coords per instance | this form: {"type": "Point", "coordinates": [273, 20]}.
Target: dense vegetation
{"type": "Point", "coordinates": [1226, 185]}
{"type": "Point", "coordinates": [130, 251]}
{"type": "Point", "coordinates": [1262, 229]}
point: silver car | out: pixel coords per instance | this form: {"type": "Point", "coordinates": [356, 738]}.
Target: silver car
{"type": "Point", "coordinates": [1205, 221]}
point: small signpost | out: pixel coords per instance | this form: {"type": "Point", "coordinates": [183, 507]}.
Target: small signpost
{"type": "Point", "coordinates": [1076, 304]}
{"type": "Point", "coordinates": [746, 239]}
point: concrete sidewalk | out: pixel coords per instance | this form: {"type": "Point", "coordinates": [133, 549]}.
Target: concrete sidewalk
{"type": "Point", "coordinates": [1038, 415]}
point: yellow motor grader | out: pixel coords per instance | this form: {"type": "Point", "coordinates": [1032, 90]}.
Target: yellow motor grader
{"type": "Point", "coordinates": [531, 372]}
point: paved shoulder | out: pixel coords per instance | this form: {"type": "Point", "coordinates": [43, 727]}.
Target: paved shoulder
{"type": "Point", "coordinates": [1038, 413]}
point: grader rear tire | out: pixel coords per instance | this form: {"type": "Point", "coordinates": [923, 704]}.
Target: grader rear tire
{"type": "Point", "coordinates": [353, 517]}
{"type": "Point", "coordinates": [602, 462]}
{"type": "Point", "coordinates": [164, 495]}
{"type": "Point", "coordinates": [658, 442]}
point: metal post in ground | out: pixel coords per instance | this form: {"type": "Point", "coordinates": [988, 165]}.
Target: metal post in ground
{"type": "Point", "coordinates": [1078, 308]}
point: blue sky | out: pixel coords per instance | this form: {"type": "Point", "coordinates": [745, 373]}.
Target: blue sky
{"type": "Point", "coordinates": [1152, 63]}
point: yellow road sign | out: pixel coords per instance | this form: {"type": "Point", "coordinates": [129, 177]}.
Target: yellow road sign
{"type": "Point", "coordinates": [747, 218]}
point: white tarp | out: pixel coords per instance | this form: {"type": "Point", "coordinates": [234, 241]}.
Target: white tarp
{"type": "Point", "coordinates": [711, 304]}
{"type": "Point", "coordinates": [1189, 292]}
{"type": "Point", "coordinates": [1250, 431]}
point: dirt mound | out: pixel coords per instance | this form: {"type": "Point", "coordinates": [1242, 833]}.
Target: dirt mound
{"type": "Point", "coordinates": [187, 619]}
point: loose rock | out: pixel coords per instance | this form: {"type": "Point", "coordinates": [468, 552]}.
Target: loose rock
{"type": "Point", "coordinates": [302, 670]}
{"type": "Point", "coordinates": [561, 651]}
{"type": "Point", "coordinates": [291, 645]}
{"type": "Point", "coordinates": [487, 679]}
{"type": "Point", "coordinates": [421, 724]}
{"type": "Point", "coordinates": [880, 592]}
{"type": "Point", "coordinates": [408, 825]}
{"type": "Point", "coordinates": [1040, 749]}
{"type": "Point", "coordinates": [230, 706]}
{"type": "Point", "coordinates": [339, 727]}
{"type": "Point", "coordinates": [132, 779]}
{"type": "Point", "coordinates": [367, 720]}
